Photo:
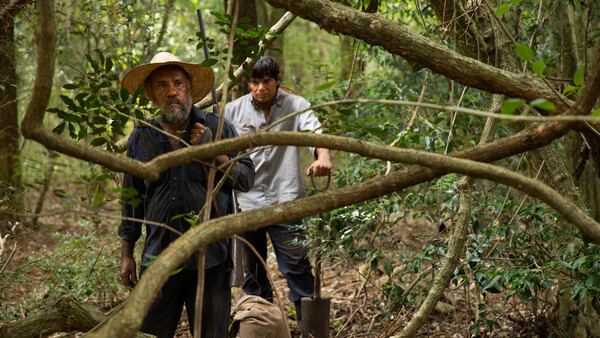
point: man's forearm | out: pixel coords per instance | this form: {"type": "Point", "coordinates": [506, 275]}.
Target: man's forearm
{"type": "Point", "coordinates": [322, 153]}
{"type": "Point", "coordinates": [127, 248]}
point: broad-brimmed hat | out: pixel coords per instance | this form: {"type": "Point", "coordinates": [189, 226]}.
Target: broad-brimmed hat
{"type": "Point", "coordinates": [203, 78]}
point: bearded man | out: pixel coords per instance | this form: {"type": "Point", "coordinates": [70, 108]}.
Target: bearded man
{"type": "Point", "coordinates": [174, 86]}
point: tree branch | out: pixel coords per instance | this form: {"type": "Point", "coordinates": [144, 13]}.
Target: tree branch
{"type": "Point", "coordinates": [175, 254]}
{"type": "Point", "coordinates": [277, 29]}
{"type": "Point", "coordinates": [8, 12]}
{"type": "Point", "coordinates": [377, 30]}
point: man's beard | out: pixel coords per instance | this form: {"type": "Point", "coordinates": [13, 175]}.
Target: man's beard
{"type": "Point", "coordinates": [175, 115]}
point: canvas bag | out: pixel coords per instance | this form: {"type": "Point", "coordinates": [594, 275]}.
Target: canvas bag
{"type": "Point", "coordinates": [257, 317]}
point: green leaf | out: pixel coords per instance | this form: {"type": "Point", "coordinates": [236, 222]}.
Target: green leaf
{"type": "Point", "coordinates": [59, 129]}
{"type": "Point", "coordinates": [70, 86]}
{"type": "Point", "coordinates": [388, 269]}
{"type": "Point", "coordinates": [209, 63]}
{"type": "Point", "coordinates": [124, 94]}
{"type": "Point", "coordinates": [72, 133]}
{"type": "Point", "coordinates": [538, 67]}
{"type": "Point", "coordinates": [70, 117]}
{"type": "Point", "coordinates": [93, 63]}
{"type": "Point", "coordinates": [139, 93]}
{"type": "Point", "coordinates": [70, 104]}
{"type": "Point", "coordinates": [108, 65]}
{"type": "Point", "coordinates": [578, 77]}
{"type": "Point", "coordinates": [543, 104]}
{"type": "Point", "coordinates": [524, 52]}
{"type": "Point", "coordinates": [176, 271]}
{"type": "Point", "coordinates": [59, 193]}
{"type": "Point", "coordinates": [509, 106]}
{"type": "Point", "coordinates": [327, 85]}
{"type": "Point", "coordinates": [98, 141]}
{"type": "Point", "coordinates": [569, 89]}
{"type": "Point", "coordinates": [578, 262]}
{"type": "Point", "coordinates": [503, 9]}
{"type": "Point", "coordinates": [596, 112]}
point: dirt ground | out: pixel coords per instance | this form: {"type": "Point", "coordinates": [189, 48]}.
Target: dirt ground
{"type": "Point", "coordinates": [353, 311]}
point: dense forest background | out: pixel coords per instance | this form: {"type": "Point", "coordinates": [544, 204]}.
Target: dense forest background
{"type": "Point", "coordinates": [421, 235]}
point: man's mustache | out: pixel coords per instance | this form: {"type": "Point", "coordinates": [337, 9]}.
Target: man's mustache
{"type": "Point", "coordinates": [170, 101]}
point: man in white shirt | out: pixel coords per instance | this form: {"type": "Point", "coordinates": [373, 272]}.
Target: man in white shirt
{"type": "Point", "coordinates": [278, 179]}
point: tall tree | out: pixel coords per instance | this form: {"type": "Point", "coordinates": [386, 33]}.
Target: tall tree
{"type": "Point", "coordinates": [10, 182]}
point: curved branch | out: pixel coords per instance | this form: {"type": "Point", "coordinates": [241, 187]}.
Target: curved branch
{"type": "Point", "coordinates": [176, 253]}
{"type": "Point", "coordinates": [139, 301]}
{"type": "Point", "coordinates": [377, 30]}
{"type": "Point", "coordinates": [456, 248]}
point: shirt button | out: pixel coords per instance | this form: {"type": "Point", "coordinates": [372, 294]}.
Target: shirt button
{"type": "Point", "coordinates": [173, 198]}
{"type": "Point", "coordinates": [175, 178]}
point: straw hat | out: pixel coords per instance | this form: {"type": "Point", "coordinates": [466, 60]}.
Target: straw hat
{"type": "Point", "coordinates": [203, 78]}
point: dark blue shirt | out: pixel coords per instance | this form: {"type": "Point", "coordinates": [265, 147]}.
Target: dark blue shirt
{"type": "Point", "coordinates": [179, 190]}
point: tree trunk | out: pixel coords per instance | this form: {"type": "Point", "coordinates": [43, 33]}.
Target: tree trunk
{"type": "Point", "coordinates": [581, 156]}
{"type": "Point", "coordinates": [10, 182]}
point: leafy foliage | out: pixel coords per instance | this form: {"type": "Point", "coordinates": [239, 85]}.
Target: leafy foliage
{"type": "Point", "coordinates": [97, 109]}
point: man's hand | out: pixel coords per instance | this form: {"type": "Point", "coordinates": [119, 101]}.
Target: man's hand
{"type": "Point", "coordinates": [128, 268]}
{"type": "Point", "coordinates": [200, 134]}
{"type": "Point", "coordinates": [322, 166]}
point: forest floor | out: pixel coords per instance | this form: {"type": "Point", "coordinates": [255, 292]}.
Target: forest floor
{"type": "Point", "coordinates": [352, 312]}
{"type": "Point", "coordinates": [352, 287]}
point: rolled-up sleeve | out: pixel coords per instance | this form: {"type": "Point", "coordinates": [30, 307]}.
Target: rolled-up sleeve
{"type": "Point", "coordinates": [308, 121]}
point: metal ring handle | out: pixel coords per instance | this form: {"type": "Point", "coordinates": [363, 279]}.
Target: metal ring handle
{"type": "Point", "coordinates": [312, 180]}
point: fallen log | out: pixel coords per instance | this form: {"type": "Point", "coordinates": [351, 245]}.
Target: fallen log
{"type": "Point", "coordinates": [66, 315]}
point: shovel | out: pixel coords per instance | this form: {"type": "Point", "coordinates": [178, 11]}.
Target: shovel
{"type": "Point", "coordinates": [315, 311]}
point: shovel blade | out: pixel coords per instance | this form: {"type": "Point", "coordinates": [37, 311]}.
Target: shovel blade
{"type": "Point", "coordinates": [315, 317]}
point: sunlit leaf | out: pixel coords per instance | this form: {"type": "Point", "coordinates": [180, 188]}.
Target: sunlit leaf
{"type": "Point", "coordinates": [569, 89]}
{"type": "Point", "coordinates": [524, 52]}
{"type": "Point", "coordinates": [502, 9]}
{"type": "Point", "coordinates": [543, 104]}
{"type": "Point", "coordinates": [509, 106]}
{"type": "Point", "coordinates": [327, 85]}
{"type": "Point", "coordinates": [538, 67]}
